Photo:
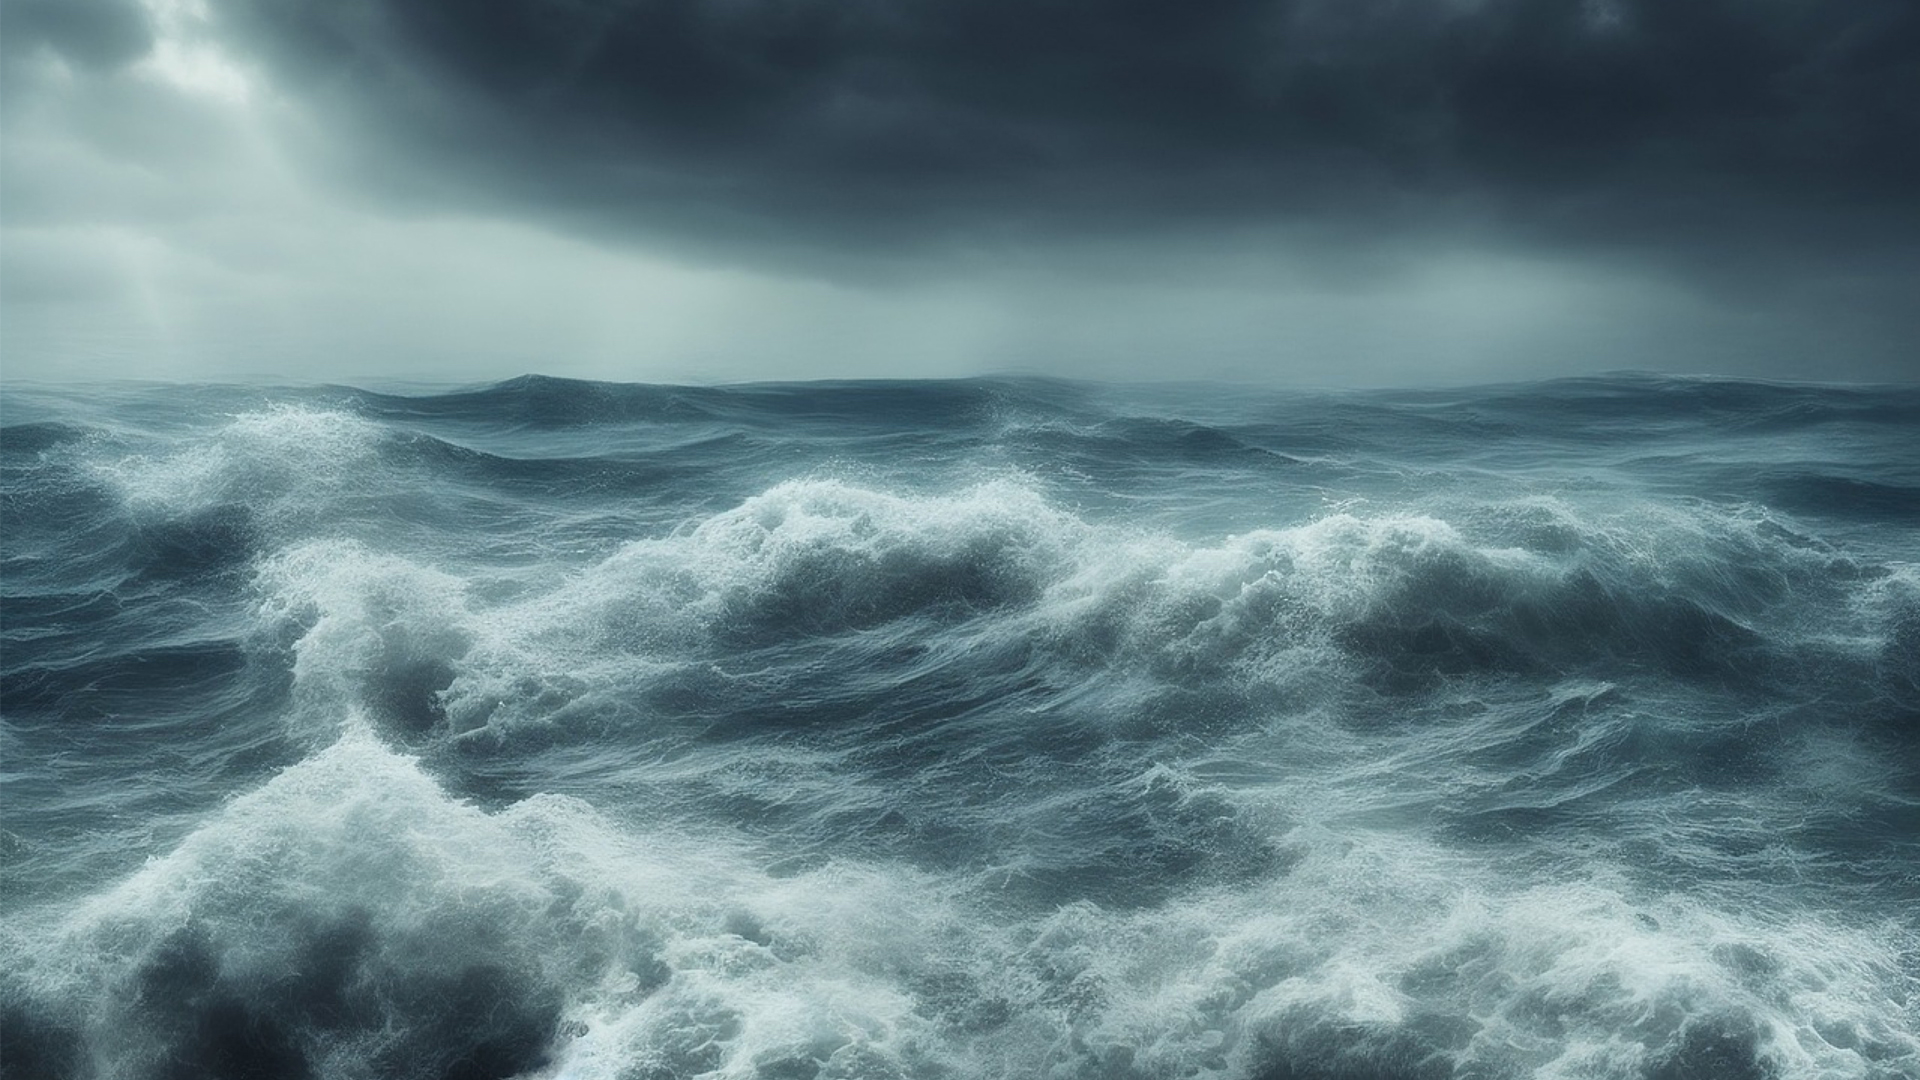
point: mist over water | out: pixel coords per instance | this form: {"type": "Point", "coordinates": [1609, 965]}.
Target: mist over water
{"type": "Point", "coordinates": [989, 728]}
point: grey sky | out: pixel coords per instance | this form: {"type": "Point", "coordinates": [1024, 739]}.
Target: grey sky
{"type": "Point", "coordinates": [1302, 191]}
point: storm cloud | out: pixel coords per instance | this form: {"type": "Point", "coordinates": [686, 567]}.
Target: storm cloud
{"type": "Point", "coordinates": [1730, 165]}
{"type": "Point", "coordinates": [863, 122]}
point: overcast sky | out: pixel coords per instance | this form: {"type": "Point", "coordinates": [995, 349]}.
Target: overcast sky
{"type": "Point", "coordinates": [1301, 191]}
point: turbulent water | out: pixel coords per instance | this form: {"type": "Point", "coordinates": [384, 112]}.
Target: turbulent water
{"type": "Point", "coordinates": [1000, 728]}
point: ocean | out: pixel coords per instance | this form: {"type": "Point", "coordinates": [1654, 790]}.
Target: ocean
{"type": "Point", "coordinates": [997, 728]}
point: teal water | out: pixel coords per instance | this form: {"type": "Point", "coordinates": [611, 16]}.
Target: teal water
{"type": "Point", "coordinates": [992, 728]}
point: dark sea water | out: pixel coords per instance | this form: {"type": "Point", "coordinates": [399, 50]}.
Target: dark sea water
{"type": "Point", "coordinates": [981, 729]}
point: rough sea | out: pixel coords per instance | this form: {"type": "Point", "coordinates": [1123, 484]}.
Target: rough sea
{"type": "Point", "coordinates": [1003, 728]}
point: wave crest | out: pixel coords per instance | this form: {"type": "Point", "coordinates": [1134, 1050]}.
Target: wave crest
{"type": "Point", "coordinates": [811, 569]}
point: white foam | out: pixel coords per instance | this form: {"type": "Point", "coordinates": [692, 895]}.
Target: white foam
{"type": "Point", "coordinates": [368, 618]}
{"type": "Point", "coordinates": [680, 951]}
{"type": "Point", "coordinates": [276, 458]}
{"type": "Point", "coordinates": [803, 557]}
{"type": "Point", "coordinates": [545, 889]}
{"type": "Point", "coordinates": [997, 563]}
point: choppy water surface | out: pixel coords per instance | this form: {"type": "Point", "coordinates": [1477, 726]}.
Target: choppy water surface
{"type": "Point", "coordinates": [960, 730]}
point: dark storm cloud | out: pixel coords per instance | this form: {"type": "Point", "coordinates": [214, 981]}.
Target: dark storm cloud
{"type": "Point", "coordinates": [1310, 190]}
{"type": "Point", "coordinates": [1723, 128]}
{"type": "Point", "coordinates": [92, 33]}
